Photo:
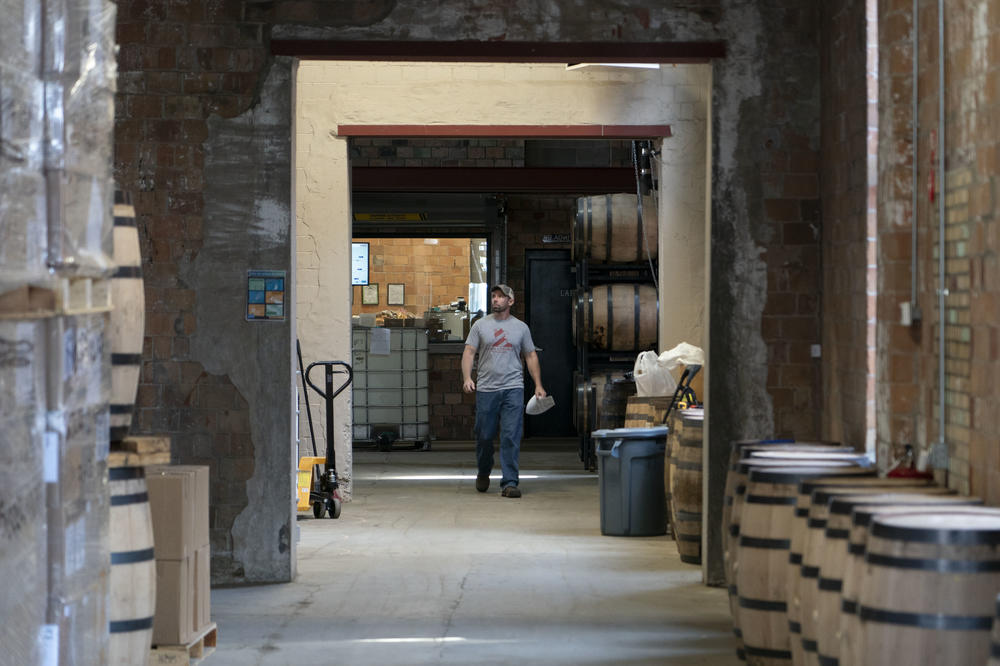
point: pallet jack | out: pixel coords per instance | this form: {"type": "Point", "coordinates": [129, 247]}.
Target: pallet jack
{"type": "Point", "coordinates": [317, 475]}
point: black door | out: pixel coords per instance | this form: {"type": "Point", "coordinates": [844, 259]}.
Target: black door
{"type": "Point", "coordinates": [549, 287]}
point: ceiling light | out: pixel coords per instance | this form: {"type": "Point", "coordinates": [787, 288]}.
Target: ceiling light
{"type": "Point", "coordinates": [633, 65]}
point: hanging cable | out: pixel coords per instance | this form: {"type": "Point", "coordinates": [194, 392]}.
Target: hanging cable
{"type": "Point", "coordinates": [638, 198]}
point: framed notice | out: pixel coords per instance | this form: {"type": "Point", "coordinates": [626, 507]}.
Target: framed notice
{"type": "Point", "coordinates": [394, 294]}
{"type": "Point", "coordinates": [369, 294]}
{"type": "Point", "coordinates": [266, 296]}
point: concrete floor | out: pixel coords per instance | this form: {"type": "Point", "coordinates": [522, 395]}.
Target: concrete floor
{"type": "Point", "coordinates": [422, 569]}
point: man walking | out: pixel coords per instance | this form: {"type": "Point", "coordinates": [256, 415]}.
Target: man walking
{"type": "Point", "coordinates": [501, 341]}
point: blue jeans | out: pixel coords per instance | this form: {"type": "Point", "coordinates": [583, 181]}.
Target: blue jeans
{"type": "Point", "coordinates": [504, 409]}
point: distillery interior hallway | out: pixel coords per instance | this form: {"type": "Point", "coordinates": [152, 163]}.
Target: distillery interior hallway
{"type": "Point", "coordinates": [422, 569]}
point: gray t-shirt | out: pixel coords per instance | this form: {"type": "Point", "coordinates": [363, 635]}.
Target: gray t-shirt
{"type": "Point", "coordinates": [500, 345]}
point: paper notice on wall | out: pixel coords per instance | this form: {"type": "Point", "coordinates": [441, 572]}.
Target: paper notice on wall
{"type": "Point", "coordinates": [48, 645]}
{"type": "Point", "coordinates": [380, 341]}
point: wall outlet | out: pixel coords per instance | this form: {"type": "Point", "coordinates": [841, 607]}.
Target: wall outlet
{"type": "Point", "coordinates": [815, 351]}
{"type": "Point", "coordinates": [905, 314]}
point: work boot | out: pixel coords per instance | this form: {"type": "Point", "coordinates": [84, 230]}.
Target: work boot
{"type": "Point", "coordinates": [483, 483]}
{"type": "Point", "coordinates": [511, 491]}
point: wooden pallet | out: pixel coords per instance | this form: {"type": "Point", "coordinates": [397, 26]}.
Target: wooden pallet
{"type": "Point", "coordinates": [182, 655]}
{"type": "Point", "coordinates": [135, 451]}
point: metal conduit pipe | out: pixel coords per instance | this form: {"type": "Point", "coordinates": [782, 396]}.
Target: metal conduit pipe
{"type": "Point", "coordinates": [939, 452]}
{"type": "Point", "coordinates": [916, 155]}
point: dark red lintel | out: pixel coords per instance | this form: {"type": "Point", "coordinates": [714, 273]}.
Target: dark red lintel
{"type": "Point", "coordinates": [526, 131]}
{"type": "Point", "coordinates": [500, 51]}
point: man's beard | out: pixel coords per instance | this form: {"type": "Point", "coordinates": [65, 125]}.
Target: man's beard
{"type": "Point", "coordinates": [499, 308]}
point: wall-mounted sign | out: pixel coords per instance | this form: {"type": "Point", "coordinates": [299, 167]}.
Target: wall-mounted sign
{"type": "Point", "coordinates": [359, 263]}
{"type": "Point", "coordinates": [555, 238]}
{"type": "Point", "coordinates": [266, 296]}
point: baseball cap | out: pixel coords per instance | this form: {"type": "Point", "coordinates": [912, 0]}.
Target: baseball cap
{"type": "Point", "coordinates": [507, 291]}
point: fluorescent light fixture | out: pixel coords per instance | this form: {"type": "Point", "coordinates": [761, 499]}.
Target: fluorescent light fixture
{"type": "Point", "coordinates": [443, 639]}
{"type": "Point", "coordinates": [467, 477]}
{"type": "Point", "coordinates": [633, 65]}
{"type": "Point", "coordinates": [438, 477]}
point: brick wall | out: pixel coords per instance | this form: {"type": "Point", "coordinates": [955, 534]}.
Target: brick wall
{"type": "Point", "coordinates": [437, 152]}
{"type": "Point", "coordinates": [848, 359]}
{"type": "Point", "coordinates": [177, 65]}
{"type": "Point", "coordinates": [969, 250]}
{"type": "Point", "coordinates": [432, 274]}
{"type": "Point", "coordinates": [452, 412]}
{"type": "Point", "coordinates": [788, 151]}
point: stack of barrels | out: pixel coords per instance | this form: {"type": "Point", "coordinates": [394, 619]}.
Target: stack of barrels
{"type": "Point", "coordinates": [827, 563]}
{"type": "Point", "coordinates": [615, 312]}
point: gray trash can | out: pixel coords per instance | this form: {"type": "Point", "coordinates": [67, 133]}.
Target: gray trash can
{"type": "Point", "coordinates": [630, 468]}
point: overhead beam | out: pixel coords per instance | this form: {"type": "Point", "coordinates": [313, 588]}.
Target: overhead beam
{"type": "Point", "coordinates": [507, 131]}
{"type": "Point", "coordinates": [500, 51]}
{"type": "Point", "coordinates": [576, 180]}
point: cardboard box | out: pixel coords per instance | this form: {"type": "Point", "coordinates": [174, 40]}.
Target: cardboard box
{"type": "Point", "coordinates": [202, 588]}
{"type": "Point", "coordinates": [178, 501]}
{"type": "Point", "coordinates": [173, 623]}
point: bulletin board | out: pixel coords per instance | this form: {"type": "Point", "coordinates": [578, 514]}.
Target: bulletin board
{"type": "Point", "coordinates": [266, 296]}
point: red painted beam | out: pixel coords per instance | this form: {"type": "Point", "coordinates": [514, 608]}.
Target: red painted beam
{"type": "Point", "coordinates": [576, 180]}
{"type": "Point", "coordinates": [526, 131]}
{"type": "Point", "coordinates": [500, 51]}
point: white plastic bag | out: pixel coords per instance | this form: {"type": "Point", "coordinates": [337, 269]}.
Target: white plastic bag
{"type": "Point", "coordinates": [652, 378]}
{"type": "Point", "coordinates": [684, 353]}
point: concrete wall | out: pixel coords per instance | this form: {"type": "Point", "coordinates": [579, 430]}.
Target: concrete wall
{"type": "Point", "coordinates": [182, 64]}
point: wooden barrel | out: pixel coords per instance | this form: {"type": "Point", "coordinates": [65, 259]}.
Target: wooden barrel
{"type": "Point", "coordinates": [928, 588]}
{"type": "Point", "coordinates": [132, 589]}
{"type": "Point", "coordinates": [617, 317]}
{"type": "Point", "coordinates": [127, 319]}
{"type": "Point", "coordinates": [609, 229]}
{"type": "Point", "coordinates": [686, 484]}
{"type": "Point", "coordinates": [803, 567]}
{"type": "Point", "coordinates": [809, 541]}
{"type": "Point", "coordinates": [736, 485]}
{"type": "Point", "coordinates": [738, 451]}
{"type": "Point", "coordinates": [850, 629]}
{"type": "Point", "coordinates": [589, 396]}
{"type": "Point", "coordinates": [995, 638]}
{"type": "Point", "coordinates": [764, 543]}
{"type": "Point", "coordinates": [646, 411]}
{"type": "Point", "coordinates": [839, 459]}
{"type": "Point", "coordinates": [614, 401]}
{"type": "Point", "coordinates": [834, 557]}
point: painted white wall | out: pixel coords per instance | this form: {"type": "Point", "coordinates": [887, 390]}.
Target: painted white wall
{"type": "Point", "coordinates": [683, 220]}
{"type": "Point", "coordinates": [330, 94]}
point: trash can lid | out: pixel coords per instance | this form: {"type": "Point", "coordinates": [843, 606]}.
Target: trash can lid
{"type": "Point", "coordinates": [631, 433]}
